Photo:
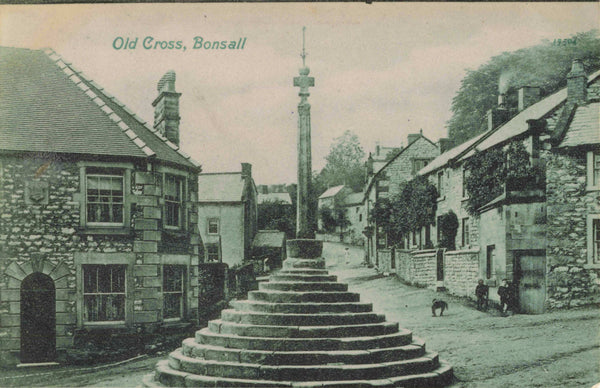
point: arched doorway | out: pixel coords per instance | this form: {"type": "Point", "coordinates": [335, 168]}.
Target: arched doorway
{"type": "Point", "coordinates": [38, 319]}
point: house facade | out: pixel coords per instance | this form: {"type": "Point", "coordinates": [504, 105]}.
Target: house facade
{"type": "Point", "coordinates": [227, 215]}
{"type": "Point", "coordinates": [387, 181]}
{"type": "Point", "coordinates": [98, 214]}
{"type": "Point", "coordinates": [540, 234]}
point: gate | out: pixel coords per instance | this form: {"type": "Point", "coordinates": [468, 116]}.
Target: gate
{"type": "Point", "coordinates": [530, 275]}
{"type": "Point", "coordinates": [38, 319]}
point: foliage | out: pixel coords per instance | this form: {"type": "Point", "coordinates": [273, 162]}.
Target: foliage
{"type": "Point", "coordinates": [344, 164]}
{"type": "Point", "coordinates": [332, 218]}
{"type": "Point", "coordinates": [545, 65]}
{"type": "Point", "coordinates": [277, 215]}
{"type": "Point", "coordinates": [448, 227]}
{"type": "Point", "coordinates": [409, 211]}
{"type": "Point", "coordinates": [489, 171]}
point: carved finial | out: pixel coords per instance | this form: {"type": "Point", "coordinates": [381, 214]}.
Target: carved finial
{"type": "Point", "coordinates": [303, 55]}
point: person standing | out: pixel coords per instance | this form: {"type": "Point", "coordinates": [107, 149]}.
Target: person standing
{"type": "Point", "coordinates": [504, 293]}
{"type": "Point", "coordinates": [347, 255]}
{"type": "Point", "coordinates": [482, 294]}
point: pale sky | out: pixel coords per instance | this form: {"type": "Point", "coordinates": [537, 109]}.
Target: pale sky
{"type": "Point", "coordinates": [381, 70]}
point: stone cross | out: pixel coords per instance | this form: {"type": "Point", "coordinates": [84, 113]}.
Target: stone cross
{"type": "Point", "coordinates": [303, 208]}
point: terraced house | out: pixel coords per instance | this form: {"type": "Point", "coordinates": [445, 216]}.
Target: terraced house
{"type": "Point", "coordinates": [542, 234]}
{"type": "Point", "coordinates": [98, 214]}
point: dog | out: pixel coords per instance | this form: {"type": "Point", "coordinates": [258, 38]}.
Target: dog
{"type": "Point", "coordinates": [438, 304]}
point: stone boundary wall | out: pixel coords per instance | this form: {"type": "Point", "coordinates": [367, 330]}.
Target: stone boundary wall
{"type": "Point", "coordinates": [385, 260]}
{"type": "Point", "coordinates": [461, 272]}
{"type": "Point", "coordinates": [418, 268]}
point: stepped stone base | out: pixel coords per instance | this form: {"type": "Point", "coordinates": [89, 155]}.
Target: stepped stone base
{"type": "Point", "coordinates": [301, 329]}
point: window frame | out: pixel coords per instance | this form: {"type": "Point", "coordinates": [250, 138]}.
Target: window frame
{"type": "Point", "coordinates": [182, 292]}
{"type": "Point", "coordinates": [180, 203]}
{"type": "Point", "coordinates": [207, 249]}
{"type": "Point", "coordinates": [593, 244]}
{"type": "Point", "coordinates": [440, 183]}
{"type": "Point", "coordinates": [592, 166]}
{"type": "Point", "coordinates": [208, 223]}
{"type": "Point", "coordinates": [85, 320]}
{"type": "Point", "coordinates": [88, 202]}
{"type": "Point", "coordinates": [465, 232]}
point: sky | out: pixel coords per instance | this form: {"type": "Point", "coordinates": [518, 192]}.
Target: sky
{"type": "Point", "coordinates": [381, 71]}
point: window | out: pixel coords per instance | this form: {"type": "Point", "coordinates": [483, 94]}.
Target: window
{"type": "Point", "coordinates": [489, 261]}
{"type": "Point", "coordinates": [212, 252]}
{"type": "Point", "coordinates": [465, 232]}
{"type": "Point", "coordinates": [213, 226]}
{"type": "Point", "coordinates": [440, 183]}
{"type": "Point", "coordinates": [593, 170]}
{"type": "Point", "coordinates": [104, 199]}
{"type": "Point", "coordinates": [173, 287]}
{"type": "Point", "coordinates": [465, 174]}
{"type": "Point", "coordinates": [173, 199]}
{"type": "Point", "coordinates": [418, 164]}
{"type": "Point", "coordinates": [360, 218]}
{"type": "Point", "coordinates": [593, 237]}
{"type": "Point", "coordinates": [104, 293]}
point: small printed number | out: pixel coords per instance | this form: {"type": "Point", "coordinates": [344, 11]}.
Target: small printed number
{"type": "Point", "coordinates": [565, 42]}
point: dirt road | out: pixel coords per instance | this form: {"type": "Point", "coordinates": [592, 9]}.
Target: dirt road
{"type": "Point", "coordinates": [558, 349]}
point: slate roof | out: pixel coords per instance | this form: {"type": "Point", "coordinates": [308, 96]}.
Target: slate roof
{"type": "Point", "coordinates": [331, 192]}
{"type": "Point", "coordinates": [269, 238]}
{"type": "Point", "coordinates": [275, 197]}
{"type": "Point", "coordinates": [585, 126]}
{"type": "Point", "coordinates": [49, 106]}
{"type": "Point", "coordinates": [220, 187]}
{"type": "Point", "coordinates": [517, 125]}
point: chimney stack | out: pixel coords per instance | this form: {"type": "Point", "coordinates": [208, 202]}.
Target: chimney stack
{"type": "Point", "coordinates": [166, 108]}
{"type": "Point", "coordinates": [499, 114]}
{"type": "Point", "coordinates": [577, 83]}
{"type": "Point", "coordinates": [246, 170]}
{"type": "Point", "coordinates": [412, 137]}
{"type": "Point", "coordinates": [528, 95]}
{"type": "Point", "coordinates": [445, 144]}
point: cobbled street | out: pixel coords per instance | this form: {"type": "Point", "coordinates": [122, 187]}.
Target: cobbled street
{"type": "Point", "coordinates": [557, 349]}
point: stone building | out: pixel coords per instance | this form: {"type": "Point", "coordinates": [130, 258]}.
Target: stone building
{"type": "Point", "coordinates": [227, 214]}
{"type": "Point", "coordinates": [386, 181]}
{"type": "Point", "coordinates": [98, 218]}
{"type": "Point", "coordinates": [540, 235]}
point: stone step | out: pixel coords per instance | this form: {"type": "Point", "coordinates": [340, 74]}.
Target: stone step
{"type": "Point", "coordinates": [302, 271]}
{"type": "Point", "coordinates": [304, 308]}
{"type": "Point", "coordinates": [166, 376]}
{"type": "Point", "coordinates": [287, 319]}
{"type": "Point", "coordinates": [303, 286]}
{"type": "Point", "coordinates": [304, 263]}
{"type": "Point", "coordinates": [331, 372]}
{"type": "Point", "coordinates": [274, 296]}
{"type": "Point", "coordinates": [249, 330]}
{"type": "Point", "coordinates": [191, 348]}
{"type": "Point", "coordinates": [302, 277]}
{"type": "Point", "coordinates": [400, 338]}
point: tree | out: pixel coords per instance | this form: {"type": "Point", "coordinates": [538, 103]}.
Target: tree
{"type": "Point", "coordinates": [332, 218]}
{"type": "Point", "coordinates": [545, 65]}
{"type": "Point", "coordinates": [491, 170]}
{"type": "Point", "coordinates": [448, 226]}
{"type": "Point", "coordinates": [277, 215]}
{"type": "Point", "coordinates": [344, 163]}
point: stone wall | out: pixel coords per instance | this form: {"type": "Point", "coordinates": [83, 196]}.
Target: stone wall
{"type": "Point", "coordinates": [461, 272]}
{"type": "Point", "coordinates": [385, 260]}
{"type": "Point", "coordinates": [401, 170]}
{"type": "Point", "coordinates": [571, 280]}
{"type": "Point", "coordinates": [43, 229]}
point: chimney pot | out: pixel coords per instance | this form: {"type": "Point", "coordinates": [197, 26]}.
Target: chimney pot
{"type": "Point", "coordinates": [576, 83]}
{"type": "Point", "coordinates": [528, 95]}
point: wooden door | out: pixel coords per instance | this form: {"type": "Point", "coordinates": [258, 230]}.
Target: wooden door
{"type": "Point", "coordinates": [38, 319]}
{"type": "Point", "coordinates": [531, 273]}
